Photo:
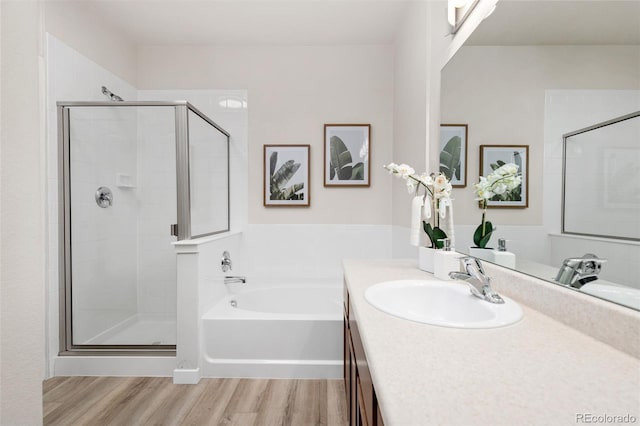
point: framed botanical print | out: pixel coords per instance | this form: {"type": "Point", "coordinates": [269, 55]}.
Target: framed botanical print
{"type": "Point", "coordinates": [453, 153]}
{"type": "Point", "coordinates": [286, 176]}
{"type": "Point", "coordinates": [346, 154]}
{"type": "Point", "coordinates": [493, 157]}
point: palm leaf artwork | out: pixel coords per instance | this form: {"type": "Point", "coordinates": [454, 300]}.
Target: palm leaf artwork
{"type": "Point", "coordinates": [450, 158]}
{"type": "Point", "coordinates": [278, 179]}
{"type": "Point", "coordinates": [341, 162]}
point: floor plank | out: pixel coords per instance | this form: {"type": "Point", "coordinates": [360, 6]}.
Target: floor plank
{"type": "Point", "coordinates": [157, 401]}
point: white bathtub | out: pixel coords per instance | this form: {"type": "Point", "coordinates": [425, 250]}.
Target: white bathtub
{"type": "Point", "coordinates": [278, 331]}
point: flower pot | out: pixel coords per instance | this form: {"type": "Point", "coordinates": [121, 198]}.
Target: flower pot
{"type": "Point", "coordinates": [425, 258]}
{"type": "Point", "coordinates": [482, 253]}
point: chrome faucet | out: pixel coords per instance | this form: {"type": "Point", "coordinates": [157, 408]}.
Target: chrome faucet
{"type": "Point", "coordinates": [576, 272]}
{"type": "Point", "coordinates": [234, 279]}
{"type": "Point", "coordinates": [478, 282]}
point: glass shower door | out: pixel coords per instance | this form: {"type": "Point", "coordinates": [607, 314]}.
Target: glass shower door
{"type": "Point", "coordinates": [121, 198]}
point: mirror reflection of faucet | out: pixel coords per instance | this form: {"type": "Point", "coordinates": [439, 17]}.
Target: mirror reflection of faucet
{"type": "Point", "coordinates": [576, 272]}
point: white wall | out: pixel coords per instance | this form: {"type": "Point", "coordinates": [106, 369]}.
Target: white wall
{"type": "Point", "coordinates": [81, 27]}
{"type": "Point", "coordinates": [423, 46]}
{"type": "Point", "coordinates": [22, 209]}
{"type": "Point", "coordinates": [293, 91]}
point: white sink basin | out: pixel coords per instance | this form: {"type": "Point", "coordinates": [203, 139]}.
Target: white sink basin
{"type": "Point", "coordinates": [443, 303]}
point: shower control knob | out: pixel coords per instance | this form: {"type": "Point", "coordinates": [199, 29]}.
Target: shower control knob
{"type": "Point", "coordinates": [104, 197]}
{"type": "Point", "coordinates": [225, 264]}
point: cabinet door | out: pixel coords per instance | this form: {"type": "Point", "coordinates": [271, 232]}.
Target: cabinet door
{"type": "Point", "coordinates": [353, 392]}
{"type": "Point", "coordinates": [348, 365]}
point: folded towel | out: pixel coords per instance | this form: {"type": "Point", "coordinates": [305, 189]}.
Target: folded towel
{"type": "Point", "coordinates": [416, 221]}
{"type": "Point", "coordinates": [450, 231]}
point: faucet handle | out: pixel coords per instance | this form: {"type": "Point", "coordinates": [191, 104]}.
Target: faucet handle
{"type": "Point", "coordinates": [225, 263]}
{"type": "Point", "coordinates": [471, 262]}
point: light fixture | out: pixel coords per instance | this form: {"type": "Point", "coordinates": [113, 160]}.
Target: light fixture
{"type": "Point", "coordinates": [453, 15]}
{"type": "Point", "coordinates": [452, 5]}
{"type": "Point", "coordinates": [232, 102]}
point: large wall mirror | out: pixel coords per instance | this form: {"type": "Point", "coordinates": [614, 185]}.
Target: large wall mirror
{"type": "Point", "coordinates": [566, 67]}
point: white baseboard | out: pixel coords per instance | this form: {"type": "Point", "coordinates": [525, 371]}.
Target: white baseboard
{"type": "Point", "coordinates": [186, 376]}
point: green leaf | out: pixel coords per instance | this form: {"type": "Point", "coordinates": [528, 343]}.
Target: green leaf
{"type": "Point", "coordinates": [450, 157]}
{"type": "Point", "coordinates": [282, 176]}
{"type": "Point", "coordinates": [290, 192]}
{"type": "Point", "coordinates": [272, 162]}
{"type": "Point", "coordinates": [340, 158]}
{"type": "Point", "coordinates": [435, 235]}
{"type": "Point", "coordinates": [445, 160]}
{"type": "Point", "coordinates": [517, 159]}
{"type": "Point", "coordinates": [358, 172]}
{"type": "Point", "coordinates": [481, 239]}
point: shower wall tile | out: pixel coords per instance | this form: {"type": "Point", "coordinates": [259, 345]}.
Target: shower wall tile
{"type": "Point", "coordinates": [157, 210]}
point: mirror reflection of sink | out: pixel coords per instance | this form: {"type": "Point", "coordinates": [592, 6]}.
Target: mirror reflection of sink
{"type": "Point", "coordinates": [622, 295]}
{"type": "Point", "coordinates": [442, 303]}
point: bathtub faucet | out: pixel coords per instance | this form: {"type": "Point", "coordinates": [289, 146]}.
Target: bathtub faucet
{"type": "Point", "coordinates": [231, 279]}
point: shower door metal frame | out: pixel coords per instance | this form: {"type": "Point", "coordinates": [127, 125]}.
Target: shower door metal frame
{"type": "Point", "coordinates": [181, 108]}
{"type": "Point", "coordinates": [565, 138]}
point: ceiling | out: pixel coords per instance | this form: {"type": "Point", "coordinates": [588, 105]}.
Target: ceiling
{"type": "Point", "coordinates": [332, 22]}
{"type": "Point", "coordinates": [520, 22]}
{"type": "Point", "coordinates": [242, 22]}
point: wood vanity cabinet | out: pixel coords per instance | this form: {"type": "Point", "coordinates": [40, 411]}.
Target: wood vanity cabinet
{"type": "Point", "coordinates": [362, 405]}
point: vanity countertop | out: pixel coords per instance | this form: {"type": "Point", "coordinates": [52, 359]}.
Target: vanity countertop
{"type": "Point", "coordinates": [538, 371]}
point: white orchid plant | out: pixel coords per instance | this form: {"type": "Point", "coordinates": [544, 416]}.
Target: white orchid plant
{"type": "Point", "coordinates": [437, 196]}
{"type": "Point", "coordinates": [504, 183]}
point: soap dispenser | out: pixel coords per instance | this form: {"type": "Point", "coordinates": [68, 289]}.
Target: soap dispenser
{"type": "Point", "coordinates": [445, 260]}
{"type": "Point", "coordinates": [503, 257]}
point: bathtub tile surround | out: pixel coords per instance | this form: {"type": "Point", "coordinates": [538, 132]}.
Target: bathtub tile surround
{"type": "Point", "coordinates": [311, 252]}
{"type": "Point", "coordinates": [445, 372]}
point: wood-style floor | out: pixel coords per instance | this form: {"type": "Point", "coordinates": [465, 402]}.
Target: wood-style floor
{"type": "Point", "coordinates": [157, 401]}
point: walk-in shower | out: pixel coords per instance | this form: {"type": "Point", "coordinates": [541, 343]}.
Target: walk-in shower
{"type": "Point", "coordinates": [134, 177]}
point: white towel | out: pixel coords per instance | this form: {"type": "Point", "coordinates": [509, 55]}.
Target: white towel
{"type": "Point", "coordinates": [450, 231]}
{"type": "Point", "coordinates": [416, 221]}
